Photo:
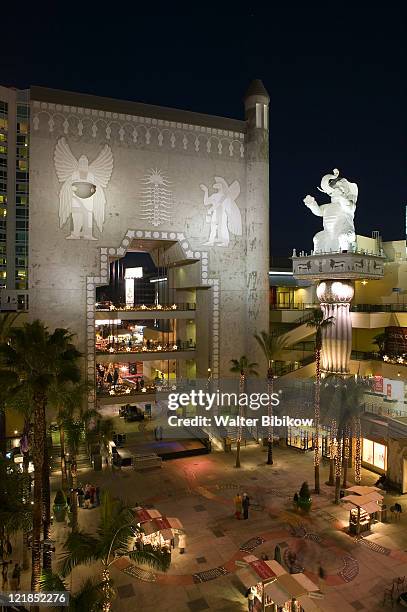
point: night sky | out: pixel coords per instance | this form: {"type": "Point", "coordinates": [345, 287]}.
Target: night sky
{"type": "Point", "coordinates": [336, 78]}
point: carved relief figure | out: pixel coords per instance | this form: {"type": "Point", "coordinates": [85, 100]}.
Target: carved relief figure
{"type": "Point", "coordinates": [223, 213]}
{"type": "Point", "coordinates": [82, 195]}
{"type": "Point", "coordinates": [156, 198]}
{"type": "Point", "coordinates": [338, 216]}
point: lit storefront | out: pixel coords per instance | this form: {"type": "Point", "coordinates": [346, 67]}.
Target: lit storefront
{"type": "Point", "coordinates": [374, 455]}
{"type": "Point", "coordinates": [301, 438]}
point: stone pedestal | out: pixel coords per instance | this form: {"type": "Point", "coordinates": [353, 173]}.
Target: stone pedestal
{"type": "Point", "coordinates": [335, 298]}
{"type": "Point", "coordinates": [335, 274]}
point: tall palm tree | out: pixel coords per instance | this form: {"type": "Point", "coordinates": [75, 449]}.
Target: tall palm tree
{"type": "Point", "coordinates": [15, 505]}
{"type": "Point", "coordinates": [271, 345]}
{"type": "Point", "coordinates": [34, 358]}
{"type": "Point", "coordinates": [117, 526]}
{"type": "Point", "coordinates": [67, 399]}
{"type": "Point", "coordinates": [244, 368]}
{"type": "Point", "coordinates": [318, 322]}
{"type": "Point", "coordinates": [343, 397]}
{"type": "Point", "coordinates": [7, 321]}
{"type": "Point", "coordinates": [75, 434]}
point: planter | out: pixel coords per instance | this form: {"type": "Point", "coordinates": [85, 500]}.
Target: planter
{"type": "Point", "coordinates": [59, 512]}
{"type": "Point", "coordinates": [304, 503]}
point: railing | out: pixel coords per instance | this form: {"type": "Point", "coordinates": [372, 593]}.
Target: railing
{"type": "Point", "coordinates": [379, 308]}
{"type": "Point", "coordinates": [365, 356]}
{"type": "Point", "coordinates": [281, 368]}
{"type": "Point", "coordinates": [159, 348]}
{"type": "Point", "coordinates": [381, 410]}
{"type": "Point", "coordinates": [354, 307]}
{"type": "Point", "coordinates": [174, 306]}
{"type": "Point", "coordinates": [295, 306]}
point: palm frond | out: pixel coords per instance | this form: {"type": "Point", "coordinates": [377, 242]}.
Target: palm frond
{"type": "Point", "coordinates": [80, 548]}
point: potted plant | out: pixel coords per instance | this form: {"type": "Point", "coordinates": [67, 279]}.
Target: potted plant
{"type": "Point", "coordinates": [304, 500]}
{"type": "Point", "coordinates": [59, 507]}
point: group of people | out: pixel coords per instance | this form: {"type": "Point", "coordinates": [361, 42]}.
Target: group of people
{"type": "Point", "coordinates": [88, 496]}
{"type": "Point", "coordinates": [242, 504]}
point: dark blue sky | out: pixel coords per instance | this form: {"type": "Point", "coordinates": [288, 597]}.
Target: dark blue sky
{"type": "Point", "coordinates": [336, 78]}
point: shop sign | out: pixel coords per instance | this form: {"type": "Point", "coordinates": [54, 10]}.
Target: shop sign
{"type": "Point", "coordinates": [378, 384]}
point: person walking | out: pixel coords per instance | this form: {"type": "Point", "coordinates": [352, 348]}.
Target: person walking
{"type": "Point", "coordinates": [245, 505]}
{"type": "Point", "coordinates": [250, 600]}
{"type": "Point", "coordinates": [4, 575]}
{"type": "Point", "coordinates": [182, 541]}
{"type": "Point", "coordinates": [238, 506]}
{"type": "Point", "coordinates": [15, 578]}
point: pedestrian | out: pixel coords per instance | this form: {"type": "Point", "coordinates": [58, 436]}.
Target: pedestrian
{"type": "Point", "coordinates": [245, 505]}
{"type": "Point", "coordinates": [250, 599]}
{"type": "Point", "coordinates": [15, 578]}
{"type": "Point", "coordinates": [80, 496]}
{"type": "Point", "coordinates": [9, 548]}
{"type": "Point", "coordinates": [97, 492]}
{"type": "Point", "coordinates": [182, 540]}
{"type": "Point", "coordinates": [4, 576]}
{"type": "Point", "coordinates": [238, 506]}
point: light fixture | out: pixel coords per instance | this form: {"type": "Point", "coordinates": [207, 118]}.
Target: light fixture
{"type": "Point", "coordinates": [144, 390]}
{"type": "Point", "coordinates": [127, 391]}
{"type": "Point", "coordinates": [159, 307]}
{"type": "Point", "coordinates": [128, 349]}
{"type": "Point", "coordinates": [174, 307]}
{"type": "Point", "coordinates": [143, 307]}
{"type": "Point", "coordinates": [175, 347]}
{"type": "Point", "coordinates": [398, 373]}
{"type": "Point", "coordinates": [111, 350]}
{"type": "Point", "coordinates": [15, 432]}
{"type": "Point", "coordinates": [364, 282]}
{"type": "Point", "coordinates": [385, 358]}
{"type": "Point", "coordinates": [159, 347]}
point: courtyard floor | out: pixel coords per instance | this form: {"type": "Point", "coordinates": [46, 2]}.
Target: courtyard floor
{"type": "Point", "coordinates": [200, 491]}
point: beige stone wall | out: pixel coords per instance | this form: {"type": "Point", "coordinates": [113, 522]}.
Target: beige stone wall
{"type": "Point", "coordinates": [60, 269]}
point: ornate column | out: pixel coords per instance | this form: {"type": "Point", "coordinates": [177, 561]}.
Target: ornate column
{"type": "Point", "coordinates": [335, 297]}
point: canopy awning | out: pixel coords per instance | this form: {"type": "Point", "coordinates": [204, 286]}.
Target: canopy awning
{"type": "Point", "coordinates": [362, 490]}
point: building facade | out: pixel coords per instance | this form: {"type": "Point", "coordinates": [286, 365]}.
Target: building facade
{"type": "Point", "coordinates": [108, 178]}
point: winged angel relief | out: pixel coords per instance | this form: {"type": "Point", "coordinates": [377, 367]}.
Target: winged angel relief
{"type": "Point", "coordinates": [223, 213]}
{"type": "Point", "coordinates": [82, 195]}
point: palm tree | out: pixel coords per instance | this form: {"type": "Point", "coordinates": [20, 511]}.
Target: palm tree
{"type": "Point", "coordinates": [318, 322]}
{"type": "Point", "coordinates": [117, 526]}
{"type": "Point", "coordinates": [344, 397]}
{"type": "Point", "coordinates": [15, 505]}
{"type": "Point", "coordinates": [75, 433]}
{"type": "Point", "coordinates": [244, 368]}
{"type": "Point", "coordinates": [34, 358]}
{"type": "Point", "coordinates": [271, 345]}
{"type": "Point", "coordinates": [67, 399]}
{"type": "Point", "coordinates": [88, 597]}
{"type": "Point", "coordinates": [7, 321]}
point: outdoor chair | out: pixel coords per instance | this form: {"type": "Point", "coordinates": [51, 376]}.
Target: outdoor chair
{"type": "Point", "coordinates": [389, 594]}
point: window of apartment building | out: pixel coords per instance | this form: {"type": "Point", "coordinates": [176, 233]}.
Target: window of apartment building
{"type": "Point", "coordinates": [3, 124]}
{"type": "Point", "coordinates": [3, 161]}
{"type": "Point", "coordinates": [21, 249]}
{"type": "Point", "coordinates": [21, 262]}
{"type": "Point", "coordinates": [21, 200]}
{"type": "Point", "coordinates": [22, 164]}
{"type": "Point", "coordinates": [3, 261]}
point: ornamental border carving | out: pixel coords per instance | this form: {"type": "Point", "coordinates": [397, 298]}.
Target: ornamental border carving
{"type": "Point", "coordinates": [137, 130]}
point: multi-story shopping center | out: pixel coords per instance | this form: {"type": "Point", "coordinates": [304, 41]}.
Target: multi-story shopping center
{"type": "Point", "coordinates": [148, 233]}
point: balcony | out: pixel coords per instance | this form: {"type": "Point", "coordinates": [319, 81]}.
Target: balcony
{"type": "Point", "coordinates": [173, 307]}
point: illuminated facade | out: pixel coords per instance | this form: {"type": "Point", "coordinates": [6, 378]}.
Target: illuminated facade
{"type": "Point", "coordinates": [109, 178]}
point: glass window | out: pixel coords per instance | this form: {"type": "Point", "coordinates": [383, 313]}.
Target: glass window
{"type": "Point", "coordinates": [3, 124]}
{"type": "Point", "coordinates": [3, 137]}
{"type": "Point", "coordinates": [3, 161]}
{"type": "Point", "coordinates": [367, 453]}
{"type": "Point", "coordinates": [379, 455]}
